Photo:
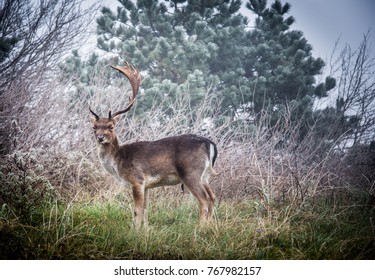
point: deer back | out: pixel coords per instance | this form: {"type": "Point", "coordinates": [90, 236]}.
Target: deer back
{"type": "Point", "coordinates": [166, 161]}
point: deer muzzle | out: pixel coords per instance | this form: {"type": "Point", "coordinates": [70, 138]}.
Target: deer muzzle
{"type": "Point", "coordinates": [100, 138]}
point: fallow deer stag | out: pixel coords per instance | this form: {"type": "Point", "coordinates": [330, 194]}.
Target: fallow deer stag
{"type": "Point", "coordinates": [186, 159]}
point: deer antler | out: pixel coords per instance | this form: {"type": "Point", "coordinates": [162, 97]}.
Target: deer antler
{"type": "Point", "coordinates": [92, 112]}
{"type": "Point", "coordinates": [134, 77]}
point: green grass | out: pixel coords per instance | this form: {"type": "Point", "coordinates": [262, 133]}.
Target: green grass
{"type": "Point", "coordinates": [241, 230]}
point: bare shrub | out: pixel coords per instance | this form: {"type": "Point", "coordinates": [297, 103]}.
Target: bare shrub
{"type": "Point", "coordinates": [271, 163]}
{"type": "Point", "coordinates": [22, 190]}
{"type": "Point", "coordinates": [35, 35]}
{"type": "Point", "coordinates": [358, 168]}
{"type": "Point", "coordinates": [64, 176]}
{"type": "Point", "coordinates": [267, 163]}
{"type": "Point", "coordinates": [355, 93]}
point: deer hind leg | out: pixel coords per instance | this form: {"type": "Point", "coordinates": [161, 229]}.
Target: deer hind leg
{"type": "Point", "coordinates": [211, 200]}
{"type": "Point", "coordinates": [204, 195]}
{"type": "Point", "coordinates": [205, 183]}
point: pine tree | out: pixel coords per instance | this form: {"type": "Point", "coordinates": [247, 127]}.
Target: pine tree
{"type": "Point", "coordinates": [280, 67]}
{"type": "Point", "coordinates": [177, 44]}
{"type": "Point", "coordinates": [190, 46]}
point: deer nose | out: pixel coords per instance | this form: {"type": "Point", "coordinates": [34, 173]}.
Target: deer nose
{"type": "Point", "coordinates": [100, 138]}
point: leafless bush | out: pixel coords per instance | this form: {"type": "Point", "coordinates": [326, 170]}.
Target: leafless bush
{"type": "Point", "coordinates": [35, 35]}
{"type": "Point", "coordinates": [268, 163]}
{"type": "Point", "coordinates": [271, 163]}
{"type": "Point", "coordinates": [27, 176]}
{"type": "Point", "coordinates": [22, 190]}
{"type": "Point", "coordinates": [355, 92]}
{"type": "Point", "coordinates": [358, 167]}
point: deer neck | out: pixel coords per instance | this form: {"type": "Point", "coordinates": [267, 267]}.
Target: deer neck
{"type": "Point", "coordinates": [107, 153]}
{"type": "Point", "coordinates": [108, 156]}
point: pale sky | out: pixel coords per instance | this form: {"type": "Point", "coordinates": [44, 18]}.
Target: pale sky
{"type": "Point", "coordinates": [324, 21]}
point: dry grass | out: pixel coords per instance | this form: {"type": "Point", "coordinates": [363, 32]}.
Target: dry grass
{"type": "Point", "coordinates": [242, 230]}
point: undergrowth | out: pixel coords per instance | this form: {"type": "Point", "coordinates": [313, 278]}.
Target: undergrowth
{"type": "Point", "coordinates": [240, 230]}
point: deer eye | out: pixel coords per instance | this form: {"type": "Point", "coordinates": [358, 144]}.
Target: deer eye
{"type": "Point", "coordinates": [111, 128]}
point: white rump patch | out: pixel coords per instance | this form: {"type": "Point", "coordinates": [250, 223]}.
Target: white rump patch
{"type": "Point", "coordinates": [212, 153]}
{"type": "Point", "coordinates": [208, 166]}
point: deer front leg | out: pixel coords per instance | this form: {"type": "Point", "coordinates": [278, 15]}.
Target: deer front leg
{"type": "Point", "coordinates": [145, 204]}
{"type": "Point", "coordinates": [139, 204]}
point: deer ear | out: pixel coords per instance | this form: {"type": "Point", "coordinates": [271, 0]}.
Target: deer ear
{"type": "Point", "coordinates": [116, 119]}
{"type": "Point", "coordinates": [93, 120]}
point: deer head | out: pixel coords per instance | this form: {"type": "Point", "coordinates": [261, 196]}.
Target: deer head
{"type": "Point", "coordinates": [104, 127]}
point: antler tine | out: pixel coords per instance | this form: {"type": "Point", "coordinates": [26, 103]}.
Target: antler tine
{"type": "Point", "coordinates": [92, 112]}
{"type": "Point", "coordinates": [134, 77]}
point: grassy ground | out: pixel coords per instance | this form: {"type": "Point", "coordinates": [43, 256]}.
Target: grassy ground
{"type": "Point", "coordinates": [241, 230]}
